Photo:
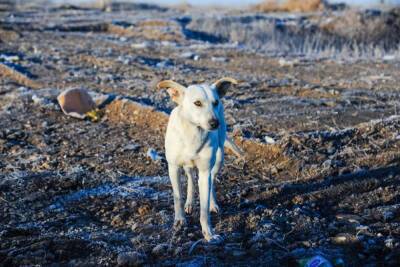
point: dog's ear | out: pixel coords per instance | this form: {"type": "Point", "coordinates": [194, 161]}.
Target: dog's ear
{"type": "Point", "coordinates": [174, 89]}
{"type": "Point", "coordinates": [222, 85]}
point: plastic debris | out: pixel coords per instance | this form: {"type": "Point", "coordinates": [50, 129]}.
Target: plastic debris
{"type": "Point", "coordinates": [94, 115]}
{"type": "Point", "coordinates": [77, 103]}
{"type": "Point", "coordinates": [320, 261]}
{"type": "Point", "coordinates": [316, 261]}
{"type": "Point", "coordinates": [151, 153]}
{"type": "Point", "coordinates": [269, 140]}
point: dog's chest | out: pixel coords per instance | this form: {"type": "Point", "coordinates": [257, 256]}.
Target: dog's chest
{"type": "Point", "coordinates": [193, 146]}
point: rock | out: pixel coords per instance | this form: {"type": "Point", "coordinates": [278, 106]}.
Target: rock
{"type": "Point", "coordinates": [131, 147]}
{"type": "Point", "coordinates": [160, 249]}
{"type": "Point", "coordinates": [389, 243]}
{"type": "Point", "coordinates": [116, 221]}
{"type": "Point", "coordinates": [350, 218]}
{"type": "Point", "coordinates": [130, 259]}
{"type": "Point", "coordinates": [388, 215]}
{"type": "Point", "coordinates": [143, 210]}
{"type": "Point", "coordinates": [41, 101]}
{"type": "Point", "coordinates": [345, 239]}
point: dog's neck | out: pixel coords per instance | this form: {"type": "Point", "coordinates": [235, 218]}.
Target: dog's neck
{"type": "Point", "coordinates": [194, 135]}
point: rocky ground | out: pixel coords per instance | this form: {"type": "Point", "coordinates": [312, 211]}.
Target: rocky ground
{"type": "Point", "coordinates": [319, 127]}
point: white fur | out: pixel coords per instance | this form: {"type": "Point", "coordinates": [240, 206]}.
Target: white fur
{"type": "Point", "coordinates": [191, 143]}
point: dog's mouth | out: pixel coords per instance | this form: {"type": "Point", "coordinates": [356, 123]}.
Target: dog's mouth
{"type": "Point", "coordinates": [213, 124]}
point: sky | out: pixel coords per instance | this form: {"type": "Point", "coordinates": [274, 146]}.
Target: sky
{"type": "Point", "coordinates": [237, 2]}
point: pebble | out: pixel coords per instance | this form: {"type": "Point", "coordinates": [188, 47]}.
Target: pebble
{"type": "Point", "coordinates": [345, 239]}
{"type": "Point", "coordinates": [130, 259]}
{"type": "Point", "coordinates": [160, 249]}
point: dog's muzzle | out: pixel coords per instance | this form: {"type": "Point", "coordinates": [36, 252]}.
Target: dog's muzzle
{"type": "Point", "coordinates": [214, 123]}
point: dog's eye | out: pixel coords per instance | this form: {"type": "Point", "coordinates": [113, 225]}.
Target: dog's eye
{"type": "Point", "coordinates": [198, 103]}
{"type": "Point", "coordinates": [215, 103]}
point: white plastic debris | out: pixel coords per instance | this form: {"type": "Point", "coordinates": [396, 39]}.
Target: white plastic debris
{"type": "Point", "coordinates": [288, 63]}
{"type": "Point", "coordinates": [269, 140]}
{"type": "Point", "coordinates": [219, 59]}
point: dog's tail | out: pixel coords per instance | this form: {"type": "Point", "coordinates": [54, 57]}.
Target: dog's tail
{"type": "Point", "coordinates": [233, 147]}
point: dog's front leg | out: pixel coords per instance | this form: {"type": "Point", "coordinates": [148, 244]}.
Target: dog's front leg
{"type": "Point", "coordinates": [205, 191]}
{"type": "Point", "coordinates": [177, 194]}
{"type": "Point", "coordinates": [190, 188]}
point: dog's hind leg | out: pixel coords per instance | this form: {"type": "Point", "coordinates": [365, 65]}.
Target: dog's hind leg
{"type": "Point", "coordinates": [214, 172]}
{"type": "Point", "coordinates": [177, 194]}
{"type": "Point", "coordinates": [190, 188]}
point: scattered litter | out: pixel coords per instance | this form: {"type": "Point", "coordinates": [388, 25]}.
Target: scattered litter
{"type": "Point", "coordinates": [269, 140]}
{"type": "Point", "coordinates": [219, 59]}
{"type": "Point", "coordinates": [94, 115]}
{"type": "Point", "coordinates": [44, 102]}
{"type": "Point", "coordinates": [11, 58]}
{"type": "Point", "coordinates": [190, 55]}
{"type": "Point", "coordinates": [288, 63]}
{"type": "Point", "coordinates": [140, 45]}
{"type": "Point", "coordinates": [389, 243]}
{"type": "Point", "coordinates": [77, 103]}
{"type": "Point", "coordinates": [316, 261]}
{"type": "Point", "coordinates": [152, 153]}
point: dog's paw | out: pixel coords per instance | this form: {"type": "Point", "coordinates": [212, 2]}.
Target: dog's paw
{"type": "Point", "coordinates": [214, 239]}
{"type": "Point", "coordinates": [214, 208]}
{"type": "Point", "coordinates": [188, 208]}
{"type": "Point", "coordinates": [179, 223]}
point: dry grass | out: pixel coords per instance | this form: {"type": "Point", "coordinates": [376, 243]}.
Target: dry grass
{"type": "Point", "coordinates": [150, 29]}
{"type": "Point", "coordinates": [303, 93]}
{"type": "Point", "coordinates": [8, 36]}
{"type": "Point", "coordinates": [95, 61]}
{"type": "Point", "coordinates": [290, 6]}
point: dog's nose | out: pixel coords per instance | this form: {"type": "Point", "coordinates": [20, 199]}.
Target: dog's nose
{"type": "Point", "coordinates": [214, 123]}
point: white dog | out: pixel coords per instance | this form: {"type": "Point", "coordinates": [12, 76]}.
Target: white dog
{"type": "Point", "coordinates": [195, 137]}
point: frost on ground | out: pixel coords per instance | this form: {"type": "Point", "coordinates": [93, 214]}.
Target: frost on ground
{"type": "Point", "coordinates": [320, 133]}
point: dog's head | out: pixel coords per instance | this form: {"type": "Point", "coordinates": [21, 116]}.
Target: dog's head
{"type": "Point", "coordinates": [200, 103]}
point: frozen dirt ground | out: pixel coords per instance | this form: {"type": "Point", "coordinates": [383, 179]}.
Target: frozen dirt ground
{"type": "Point", "coordinates": [80, 193]}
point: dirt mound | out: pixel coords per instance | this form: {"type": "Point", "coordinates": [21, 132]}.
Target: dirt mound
{"type": "Point", "coordinates": [20, 78]}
